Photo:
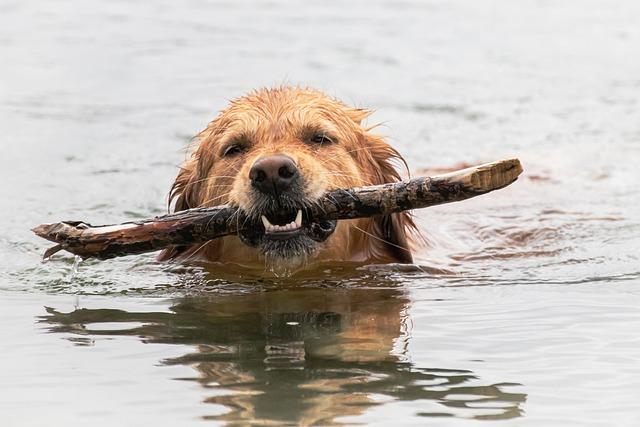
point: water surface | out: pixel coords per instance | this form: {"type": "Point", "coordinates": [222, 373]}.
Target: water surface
{"type": "Point", "coordinates": [521, 310]}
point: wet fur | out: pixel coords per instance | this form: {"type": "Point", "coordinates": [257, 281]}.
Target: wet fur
{"type": "Point", "coordinates": [280, 120]}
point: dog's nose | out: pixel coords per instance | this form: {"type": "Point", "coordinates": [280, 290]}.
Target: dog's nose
{"type": "Point", "coordinates": [273, 174]}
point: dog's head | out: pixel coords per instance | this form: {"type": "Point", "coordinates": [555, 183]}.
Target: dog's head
{"type": "Point", "coordinates": [272, 154]}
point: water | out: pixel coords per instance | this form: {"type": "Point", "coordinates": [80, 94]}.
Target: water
{"type": "Point", "coordinates": [524, 308]}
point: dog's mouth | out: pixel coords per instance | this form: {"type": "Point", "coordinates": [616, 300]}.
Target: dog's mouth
{"type": "Point", "coordinates": [282, 226]}
{"type": "Point", "coordinates": [286, 232]}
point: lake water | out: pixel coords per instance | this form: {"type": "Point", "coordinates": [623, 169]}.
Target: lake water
{"type": "Point", "coordinates": [523, 310]}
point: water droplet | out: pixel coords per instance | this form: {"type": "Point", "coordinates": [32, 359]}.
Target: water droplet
{"type": "Point", "coordinates": [74, 270]}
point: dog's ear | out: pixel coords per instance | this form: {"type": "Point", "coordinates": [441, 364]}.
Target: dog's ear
{"type": "Point", "coordinates": [392, 234]}
{"type": "Point", "coordinates": [182, 192]}
{"type": "Point", "coordinates": [186, 191]}
{"type": "Point", "coordinates": [182, 189]}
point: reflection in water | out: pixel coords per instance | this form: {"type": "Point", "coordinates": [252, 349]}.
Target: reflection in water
{"type": "Point", "coordinates": [299, 356]}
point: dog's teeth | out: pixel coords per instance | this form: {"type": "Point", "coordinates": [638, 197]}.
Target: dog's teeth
{"type": "Point", "coordinates": [275, 228]}
{"type": "Point", "coordinates": [266, 223]}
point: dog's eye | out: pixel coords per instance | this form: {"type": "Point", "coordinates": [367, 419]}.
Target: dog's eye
{"type": "Point", "coordinates": [321, 139]}
{"type": "Point", "coordinates": [233, 150]}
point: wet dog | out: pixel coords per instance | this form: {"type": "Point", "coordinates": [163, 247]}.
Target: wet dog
{"type": "Point", "coordinates": [272, 154]}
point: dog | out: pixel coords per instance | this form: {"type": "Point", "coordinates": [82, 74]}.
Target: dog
{"type": "Point", "coordinates": [272, 153]}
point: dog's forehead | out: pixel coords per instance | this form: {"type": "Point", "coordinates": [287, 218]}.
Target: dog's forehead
{"type": "Point", "coordinates": [291, 118]}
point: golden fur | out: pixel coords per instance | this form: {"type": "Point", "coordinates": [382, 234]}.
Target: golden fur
{"type": "Point", "coordinates": [282, 121]}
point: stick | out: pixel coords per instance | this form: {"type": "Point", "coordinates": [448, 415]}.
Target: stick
{"type": "Point", "coordinates": [203, 224]}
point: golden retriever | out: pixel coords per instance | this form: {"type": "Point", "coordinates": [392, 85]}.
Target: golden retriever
{"type": "Point", "coordinates": [272, 153]}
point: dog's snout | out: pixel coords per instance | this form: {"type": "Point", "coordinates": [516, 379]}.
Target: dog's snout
{"type": "Point", "coordinates": [273, 174]}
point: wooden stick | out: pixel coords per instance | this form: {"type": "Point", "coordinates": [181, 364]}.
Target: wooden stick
{"type": "Point", "coordinates": [202, 224]}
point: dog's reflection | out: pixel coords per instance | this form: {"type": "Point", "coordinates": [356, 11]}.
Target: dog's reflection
{"type": "Point", "coordinates": [300, 356]}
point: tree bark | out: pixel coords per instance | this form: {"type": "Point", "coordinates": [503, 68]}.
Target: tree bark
{"type": "Point", "coordinates": [202, 224]}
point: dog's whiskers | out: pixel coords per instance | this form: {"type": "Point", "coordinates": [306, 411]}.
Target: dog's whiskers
{"type": "Point", "coordinates": [210, 178]}
{"type": "Point", "coordinates": [193, 254]}
{"type": "Point", "coordinates": [380, 238]}
{"type": "Point", "coordinates": [203, 204]}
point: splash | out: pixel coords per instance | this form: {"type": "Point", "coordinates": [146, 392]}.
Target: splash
{"type": "Point", "coordinates": [74, 269]}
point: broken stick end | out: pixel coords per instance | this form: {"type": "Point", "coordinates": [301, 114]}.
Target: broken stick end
{"type": "Point", "coordinates": [495, 175]}
{"type": "Point", "coordinates": [43, 230]}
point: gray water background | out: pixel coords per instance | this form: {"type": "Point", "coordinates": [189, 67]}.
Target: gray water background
{"type": "Point", "coordinates": [525, 310]}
